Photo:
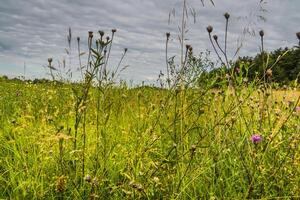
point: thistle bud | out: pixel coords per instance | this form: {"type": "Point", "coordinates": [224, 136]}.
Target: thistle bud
{"type": "Point", "coordinates": [107, 38]}
{"type": "Point", "coordinates": [168, 35]}
{"type": "Point", "coordinates": [101, 33]}
{"type": "Point", "coordinates": [113, 30]}
{"type": "Point", "coordinates": [215, 37]}
{"type": "Point", "coordinates": [90, 34]}
{"type": "Point", "coordinates": [209, 29]}
{"type": "Point", "coordinates": [261, 33]}
{"type": "Point", "coordinates": [49, 61]}
{"type": "Point", "coordinates": [226, 15]}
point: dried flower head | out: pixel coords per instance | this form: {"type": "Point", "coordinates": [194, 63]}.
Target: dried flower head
{"type": "Point", "coordinates": [269, 72]}
{"type": "Point", "coordinates": [113, 30]}
{"type": "Point", "coordinates": [209, 29]}
{"type": "Point", "coordinates": [256, 138]}
{"type": "Point", "coordinates": [215, 37]}
{"type": "Point", "coordinates": [226, 15]}
{"type": "Point", "coordinates": [90, 34]}
{"type": "Point", "coordinates": [49, 61]}
{"type": "Point", "coordinates": [261, 33]}
{"type": "Point", "coordinates": [107, 38]}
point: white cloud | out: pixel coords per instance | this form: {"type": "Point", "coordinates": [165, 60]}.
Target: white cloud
{"type": "Point", "coordinates": [31, 31]}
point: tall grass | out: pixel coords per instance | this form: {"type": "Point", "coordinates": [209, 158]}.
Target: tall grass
{"type": "Point", "coordinates": [199, 136]}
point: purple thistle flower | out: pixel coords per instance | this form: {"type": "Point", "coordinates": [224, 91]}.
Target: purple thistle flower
{"type": "Point", "coordinates": [256, 138]}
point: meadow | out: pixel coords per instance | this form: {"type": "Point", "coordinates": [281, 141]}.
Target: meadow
{"type": "Point", "coordinates": [148, 143]}
{"type": "Point", "coordinates": [200, 133]}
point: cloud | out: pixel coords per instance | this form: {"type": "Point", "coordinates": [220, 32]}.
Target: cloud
{"type": "Point", "coordinates": [31, 31]}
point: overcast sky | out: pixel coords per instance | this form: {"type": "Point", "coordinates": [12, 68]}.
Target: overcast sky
{"type": "Point", "coordinates": [33, 30]}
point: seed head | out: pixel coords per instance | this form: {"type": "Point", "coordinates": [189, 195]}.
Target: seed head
{"type": "Point", "coordinates": [226, 15]}
{"type": "Point", "coordinates": [113, 30]}
{"type": "Point", "coordinates": [125, 50]}
{"type": "Point", "coordinates": [209, 29]}
{"type": "Point", "coordinates": [90, 34]}
{"type": "Point", "coordinates": [78, 39]}
{"type": "Point", "coordinates": [49, 61]}
{"type": "Point", "coordinates": [107, 38]}
{"type": "Point", "coordinates": [215, 37]}
{"type": "Point", "coordinates": [261, 33]}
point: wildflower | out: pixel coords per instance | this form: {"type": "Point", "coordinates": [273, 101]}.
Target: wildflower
{"type": "Point", "coordinates": [90, 34]}
{"type": "Point", "coordinates": [256, 138]}
{"type": "Point", "coordinates": [193, 148]}
{"type": "Point", "coordinates": [226, 15]}
{"type": "Point", "coordinates": [209, 29]}
{"type": "Point", "coordinates": [261, 33]}
{"type": "Point", "coordinates": [297, 109]}
{"type": "Point", "coordinates": [101, 33]}
{"type": "Point", "coordinates": [269, 72]}
{"type": "Point", "coordinates": [87, 178]}
{"type": "Point", "coordinates": [168, 35]}
{"type": "Point", "coordinates": [237, 70]}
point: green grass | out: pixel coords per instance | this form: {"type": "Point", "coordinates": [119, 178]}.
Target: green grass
{"type": "Point", "coordinates": [148, 143]}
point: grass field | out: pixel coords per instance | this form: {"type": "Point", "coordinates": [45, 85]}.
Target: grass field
{"type": "Point", "coordinates": [148, 143]}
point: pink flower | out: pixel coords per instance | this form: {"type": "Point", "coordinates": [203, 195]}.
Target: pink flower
{"type": "Point", "coordinates": [256, 138]}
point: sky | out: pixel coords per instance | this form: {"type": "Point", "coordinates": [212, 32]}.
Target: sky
{"type": "Point", "coordinates": [31, 31]}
